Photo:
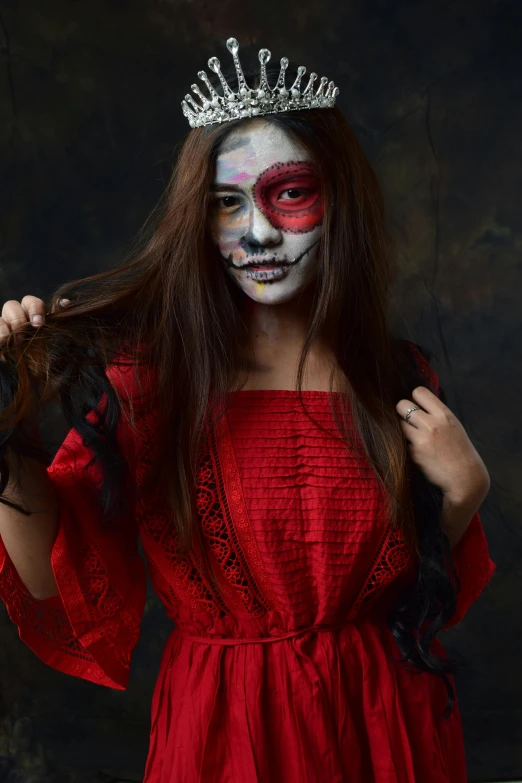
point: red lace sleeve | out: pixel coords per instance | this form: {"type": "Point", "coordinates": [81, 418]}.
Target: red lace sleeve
{"type": "Point", "coordinates": [471, 558]}
{"type": "Point", "coordinates": [91, 627]}
{"type": "Point", "coordinates": [474, 567]}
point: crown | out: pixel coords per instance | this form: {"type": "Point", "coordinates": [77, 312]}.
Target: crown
{"type": "Point", "coordinates": [252, 103]}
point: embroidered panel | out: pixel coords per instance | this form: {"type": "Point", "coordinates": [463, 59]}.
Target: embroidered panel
{"type": "Point", "coordinates": [392, 558]}
{"type": "Point", "coordinates": [180, 578]}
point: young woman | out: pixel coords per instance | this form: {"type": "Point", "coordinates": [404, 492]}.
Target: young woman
{"type": "Point", "coordinates": [307, 503]}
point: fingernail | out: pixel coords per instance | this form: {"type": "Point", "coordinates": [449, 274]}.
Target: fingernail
{"type": "Point", "coordinates": [65, 301]}
{"type": "Point", "coordinates": [37, 319]}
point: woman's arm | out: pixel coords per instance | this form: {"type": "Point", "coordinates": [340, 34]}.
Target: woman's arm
{"type": "Point", "coordinates": [457, 513]}
{"type": "Point", "coordinates": [29, 539]}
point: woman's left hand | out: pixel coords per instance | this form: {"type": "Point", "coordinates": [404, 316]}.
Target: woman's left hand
{"type": "Point", "coordinates": [440, 447]}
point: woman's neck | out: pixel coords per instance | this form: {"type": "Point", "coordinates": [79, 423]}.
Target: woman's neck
{"type": "Point", "coordinates": [276, 338]}
{"type": "Point", "coordinates": [276, 321]}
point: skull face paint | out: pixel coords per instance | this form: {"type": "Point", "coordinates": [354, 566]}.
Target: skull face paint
{"type": "Point", "coordinates": [298, 215]}
{"type": "Point", "coordinates": [266, 212]}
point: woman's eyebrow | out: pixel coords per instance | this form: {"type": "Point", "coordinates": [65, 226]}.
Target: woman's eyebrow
{"type": "Point", "coordinates": [224, 186]}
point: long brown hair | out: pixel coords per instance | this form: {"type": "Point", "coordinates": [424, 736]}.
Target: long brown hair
{"type": "Point", "coordinates": [171, 307]}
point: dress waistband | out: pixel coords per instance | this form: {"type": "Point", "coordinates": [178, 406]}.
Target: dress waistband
{"type": "Point", "coordinates": [262, 640]}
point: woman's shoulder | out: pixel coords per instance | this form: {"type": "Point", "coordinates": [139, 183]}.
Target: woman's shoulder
{"type": "Point", "coordinates": [131, 369]}
{"type": "Point", "coordinates": [133, 377]}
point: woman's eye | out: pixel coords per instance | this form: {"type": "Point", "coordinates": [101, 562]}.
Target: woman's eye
{"type": "Point", "coordinates": [293, 193]}
{"type": "Point", "coordinates": [228, 201]}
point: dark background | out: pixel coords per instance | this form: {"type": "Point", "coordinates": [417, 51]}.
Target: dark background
{"type": "Point", "coordinates": [90, 122]}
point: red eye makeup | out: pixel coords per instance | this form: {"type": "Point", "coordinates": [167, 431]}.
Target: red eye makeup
{"type": "Point", "coordinates": [298, 211]}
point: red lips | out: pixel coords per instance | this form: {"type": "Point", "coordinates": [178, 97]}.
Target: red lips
{"type": "Point", "coordinates": [273, 265]}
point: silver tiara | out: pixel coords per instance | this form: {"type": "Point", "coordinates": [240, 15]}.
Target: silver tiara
{"type": "Point", "coordinates": [252, 103]}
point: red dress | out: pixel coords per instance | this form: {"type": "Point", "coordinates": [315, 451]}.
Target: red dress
{"type": "Point", "coordinates": [290, 678]}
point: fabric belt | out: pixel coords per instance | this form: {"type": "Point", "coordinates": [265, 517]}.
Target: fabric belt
{"type": "Point", "coordinates": [262, 640]}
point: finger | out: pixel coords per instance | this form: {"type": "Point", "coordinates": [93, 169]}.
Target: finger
{"type": "Point", "coordinates": [417, 417]}
{"type": "Point", "coordinates": [13, 314]}
{"type": "Point", "coordinates": [427, 399]}
{"type": "Point", "coordinates": [4, 331]}
{"type": "Point", "coordinates": [61, 303]}
{"type": "Point", "coordinates": [34, 309]}
{"type": "Point", "coordinates": [410, 433]}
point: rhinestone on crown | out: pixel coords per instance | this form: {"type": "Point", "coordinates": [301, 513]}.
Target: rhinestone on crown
{"type": "Point", "coordinates": [252, 103]}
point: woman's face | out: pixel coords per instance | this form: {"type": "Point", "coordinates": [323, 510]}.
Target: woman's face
{"type": "Point", "coordinates": [266, 212]}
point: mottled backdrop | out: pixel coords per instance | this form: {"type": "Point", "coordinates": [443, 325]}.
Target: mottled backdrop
{"type": "Point", "coordinates": [90, 122]}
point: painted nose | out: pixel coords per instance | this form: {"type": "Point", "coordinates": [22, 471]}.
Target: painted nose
{"type": "Point", "coordinates": [261, 233]}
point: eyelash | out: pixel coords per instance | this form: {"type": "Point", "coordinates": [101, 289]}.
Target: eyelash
{"type": "Point", "coordinates": [222, 198]}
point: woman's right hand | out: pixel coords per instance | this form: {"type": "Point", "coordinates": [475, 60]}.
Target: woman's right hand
{"type": "Point", "coordinates": [15, 314]}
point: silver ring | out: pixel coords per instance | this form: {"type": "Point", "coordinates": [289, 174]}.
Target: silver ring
{"type": "Point", "coordinates": [410, 411]}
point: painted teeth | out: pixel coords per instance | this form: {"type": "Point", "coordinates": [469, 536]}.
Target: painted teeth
{"type": "Point", "coordinates": [265, 274]}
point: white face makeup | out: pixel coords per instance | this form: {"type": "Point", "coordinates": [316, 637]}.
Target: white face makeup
{"type": "Point", "coordinates": [266, 212]}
